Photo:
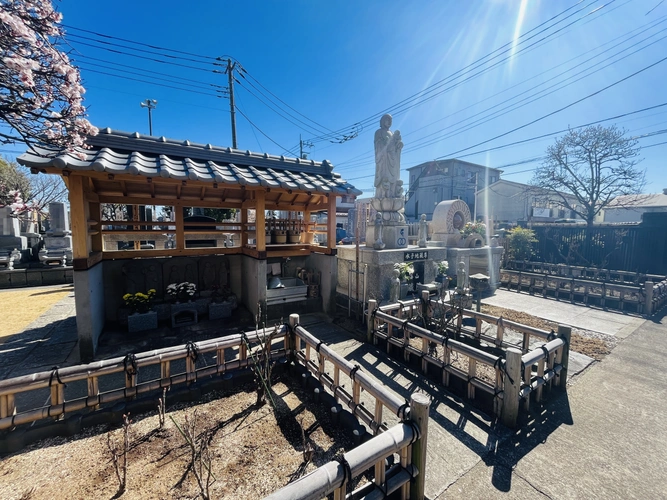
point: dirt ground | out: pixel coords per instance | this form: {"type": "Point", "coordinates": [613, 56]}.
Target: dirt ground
{"type": "Point", "coordinates": [252, 453]}
{"type": "Point", "coordinates": [19, 308]}
{"type": "Point", "coordinates": [596, 346]}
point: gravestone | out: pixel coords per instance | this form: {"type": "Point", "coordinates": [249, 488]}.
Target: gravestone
{"type": "Point", "coordinates": [58, 239]}
{"type": "Point", "coordinates": [11, 241]}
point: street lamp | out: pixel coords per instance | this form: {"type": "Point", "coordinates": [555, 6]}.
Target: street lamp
{"type": "Point", "coordinates": [150, 104]}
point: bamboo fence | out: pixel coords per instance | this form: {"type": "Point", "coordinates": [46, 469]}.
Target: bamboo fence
{"type": "Point", "coordinates": [513, 371]}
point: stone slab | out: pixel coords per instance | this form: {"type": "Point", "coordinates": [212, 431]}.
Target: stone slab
{"type": "Point", "coordinates": [578, 316]}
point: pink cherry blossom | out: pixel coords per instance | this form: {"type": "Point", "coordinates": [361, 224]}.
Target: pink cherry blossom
{"type": "Point", "coordinates": [41, 94]}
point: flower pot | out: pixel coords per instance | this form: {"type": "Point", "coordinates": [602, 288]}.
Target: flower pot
{"type": "Point", "coordinates": [139, 322]}
{"type": "Point", "coordinates": [219, 310]}
{"type": "Point", "coordinates": [404, 291]}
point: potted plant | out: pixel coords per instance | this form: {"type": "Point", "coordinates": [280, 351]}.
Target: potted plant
{"type": "Point", "coordinates": [474, 234]}
{"type": "Point", "coordinates": [441, 271]}
{"type": "Point", "coordinates": [141, 316]}
{"type": "Point", "coordinates": [405, 272]}
{"type": "Point", "coordinates": [181, 291]}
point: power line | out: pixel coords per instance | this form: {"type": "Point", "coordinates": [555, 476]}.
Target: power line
{"type": "Point", "coordinates": [645, 68]}
{"type": "Point", "coordinates": [151, 83]}
{"type": "Point", "coordinates": [261, 132]}
{"type": "Point", "coordinates": [479, 62]}
{"type": "Point", "coordinates": [136, 43]}
{"type": "Point", "coordinates": [464, 128]}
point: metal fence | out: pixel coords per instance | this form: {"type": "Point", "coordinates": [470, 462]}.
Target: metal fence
{"type": "Point", "coordinates": [634, 248]}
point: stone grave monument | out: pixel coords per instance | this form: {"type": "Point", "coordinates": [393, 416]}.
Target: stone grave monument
{"type": "Point", "coordinates": [58, 239]}
{"type": "Point", "coordinates": [11, 241]}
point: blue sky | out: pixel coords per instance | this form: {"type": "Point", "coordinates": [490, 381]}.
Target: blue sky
{"type": "Point", "coordinates": [339, 63]}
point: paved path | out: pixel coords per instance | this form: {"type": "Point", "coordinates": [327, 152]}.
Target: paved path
{"type": "Point", "coordinates": [605, 438]}
{"type": "Point", "coordinates": [578, 316]}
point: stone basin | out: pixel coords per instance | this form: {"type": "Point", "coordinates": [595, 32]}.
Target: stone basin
{"type": "Point", "coordinates": [293, 290]}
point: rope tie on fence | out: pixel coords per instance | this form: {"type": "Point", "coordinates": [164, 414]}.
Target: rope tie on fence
{"type": "Point", "coordinates": [130, 364]}
{"type": "Point", "coordinates": [401, 409]}
{"type": "Point", "coordinates": [192, 350]}
{"type": "Point", "coordinates": [500, 365]}
{"type": "Point", "coordinates": [415, 431]}
{"type": "Point", "coordinates": [383, 489]}
{"type": "Point", "coordinates": [405, 325]}
{"type": "Point", "coordinates": [353, 371]}
{"type": "Point", "coordinates": [545, 351]}
{"type": "Point", "coordinates": [317, 347]}
{"type": "Point", "coordinates": [55, 373]}
{"type": "Point", "coordinates": [347, 470]}
{"type": "Point", "coordinates": [551, 336]}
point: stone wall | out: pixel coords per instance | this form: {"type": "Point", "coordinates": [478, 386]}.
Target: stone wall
{"type": "Point", "coordinates": [36, 277]}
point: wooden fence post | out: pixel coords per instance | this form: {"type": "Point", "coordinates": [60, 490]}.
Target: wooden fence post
{"type": "Point", "coordinates": [293, 321]}
{"type": "Point", "coordinates": [370, 321]}
{"type": "Point", "coordinates": [648, 304]}
{"type": "Point", "coordinates": [419, 407]}
{"type": "Point", "coordinates": [511, 387]}
{"type": "Point", "coordinates": [564, 332]}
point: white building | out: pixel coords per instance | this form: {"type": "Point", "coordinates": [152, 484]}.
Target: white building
{"type": "Point", "coordinates": [630, 208]}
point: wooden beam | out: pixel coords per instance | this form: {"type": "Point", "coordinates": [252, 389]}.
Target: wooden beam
{"type": "Point", "coordinates": [95, 215]}
{"type": "Point", "coordinates": [166, 200]}
{"type": "Point", "coordinates": [244, 227]}
{"type": "Point", "coordinates": [83, 264]}
{"type": "Point", "coordinates": [331, 222]}
{"type": "Point", "coordinates": [180, 228]}
{"type": "Point", "coordinates": [203, 193]}
{"type": "Point", "coordinates": [171, 252]}
{"type": "Point", "coordinates": [123, 188]}
{"type": "Point", "coordinates": [79, 216]}
{"type": "Point", "coordinates": [260, 221]}
{"type": "Point", "coordinates": [178, 190]}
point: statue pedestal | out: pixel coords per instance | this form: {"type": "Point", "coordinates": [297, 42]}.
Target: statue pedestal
{"type": "Point", "coordinates": [392, 236]}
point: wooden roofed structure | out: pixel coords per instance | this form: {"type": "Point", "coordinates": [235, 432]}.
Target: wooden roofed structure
{"type": "Point", "coordinates": [131, 169]}
{"type": "Point", "coordinates": [183, 180]}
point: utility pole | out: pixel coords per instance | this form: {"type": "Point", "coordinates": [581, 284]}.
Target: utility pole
{"type": "Point", "coordinates": [302, 144]}
{"type": "Point", "coordinates": [232, 107]}
{"type": "Point", "coordinates": [150, 104]}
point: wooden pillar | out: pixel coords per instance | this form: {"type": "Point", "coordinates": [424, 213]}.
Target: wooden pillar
{"type": "Point", "coordinates": [511, 387]}
{"type": "Point", "coordinates": [95, 213]}
{"type": "Point", "coordinates": [180, 227]}
{"type": "Point", "coordinates": [370, 321]}
{"type": "Point", "coordinates": [260, 221]}
{"type": "Point", "coordinates": [648, 293]}
{"type": "Point", "coordinates": [564, 332]}
{"type": "Point", "coordinates": [244, 227]}
{"type": "Point", "coordinates": [419, 407]}
{"type": "Point", "coordinates": [331, 222]}
{"type": "Point", "coordinates": [79, 215]}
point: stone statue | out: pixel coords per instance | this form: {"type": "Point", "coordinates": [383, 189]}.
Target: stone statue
{"type": "Point", "coordinates": [388, 147]}
{"type": "Point", "coordinates": [423, 230]}
{"type": "Point", "coordinates": [378, 244]}
{"type": "Point", "coordinates": [461, 277]}
{"type": "Point", "coordinates": [395, 288]}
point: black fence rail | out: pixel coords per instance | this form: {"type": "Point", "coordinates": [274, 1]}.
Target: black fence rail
{"type": "Point", "coordinates": [637, 248]}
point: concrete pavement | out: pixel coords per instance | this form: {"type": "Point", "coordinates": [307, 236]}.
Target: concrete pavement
{"type": "Point", "coordinates": [586, 318]}
{"type": "Point", "coordinates": [606, 438]}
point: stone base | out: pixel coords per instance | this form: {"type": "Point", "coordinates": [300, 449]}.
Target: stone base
{"type": "Point", "coordinates": [139, 322]}
{"type": "Point", "coordinates": [392, 236]}
{"type": "Point", "coordinates": [184, 314]}
{"type": "Point", "coordinates": [219, 310]}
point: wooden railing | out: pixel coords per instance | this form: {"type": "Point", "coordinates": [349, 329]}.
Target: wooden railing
{"type": "Point", "coordinates": [590, 273]}
{"type": "Point", "coordinates": [513, 379]}
{"type": "Point", "coordinates": [57, 380]}
{"type": "Point", "coordinates": [579, 290]}
{"type": "Point", "coordinates": [408, 438]}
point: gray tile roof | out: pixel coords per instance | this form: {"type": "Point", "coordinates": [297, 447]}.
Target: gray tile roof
{"type": "Point", "coordinates": [117, 152]}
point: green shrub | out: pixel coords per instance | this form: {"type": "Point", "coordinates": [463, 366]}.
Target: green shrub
{"type": "Point", "coordinates": [521, 243]}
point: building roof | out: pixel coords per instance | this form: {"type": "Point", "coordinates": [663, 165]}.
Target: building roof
{"type": "Point", "coordinates": [117, 152]}
{"type": "Point", "coordinates": [639, 201]}
{"type": "Point", "coordinates": [522, 188]}
{"type": "Point", "coordinates": [434, 162]}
